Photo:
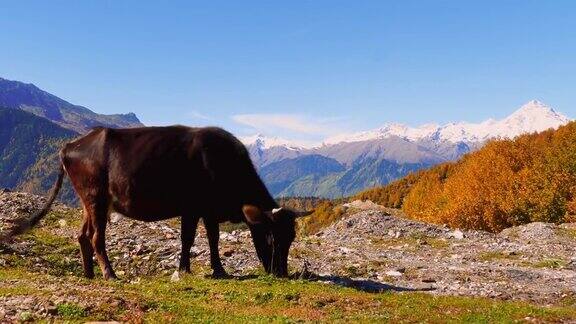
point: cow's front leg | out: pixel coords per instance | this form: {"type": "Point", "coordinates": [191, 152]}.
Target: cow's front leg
{"type": "Point", "coordinates": [213, 233]}
{"type": "Point", "coordinates": [188, 225]}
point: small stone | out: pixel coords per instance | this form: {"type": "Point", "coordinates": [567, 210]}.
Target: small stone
{"type": "Point", "coordinates": [115, 217]}
{"type": "Point", "coordinates": [345, 250]}
{"type": "Point", "coordinates": [394, 273]}
{"type": "Point", "coordinates": [62, 222]}
{"type": "Point", "coordinates": [458, 234]}
{"type": "Point", "coordinates": [175, 276]}
{"type": "Point", "coordinates": [195, 251]}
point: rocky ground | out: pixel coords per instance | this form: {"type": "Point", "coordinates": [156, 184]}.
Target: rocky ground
{"type": "Point", "coordinates": [371, 248]}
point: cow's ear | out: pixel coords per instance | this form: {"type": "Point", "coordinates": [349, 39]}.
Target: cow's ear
{"type": "Point", "coordinates": [253, 214]}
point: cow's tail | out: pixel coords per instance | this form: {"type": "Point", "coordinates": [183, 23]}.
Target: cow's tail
{"type": "Point", "coordinates": [24, 224]}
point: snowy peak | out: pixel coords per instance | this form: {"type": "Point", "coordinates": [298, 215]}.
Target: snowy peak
{"type": "Point", "coordinates": [265, 142]}
{"type": "Point", "coordinates": [534, 116]}
{"type": "Point", "coordinates": [534, 107]}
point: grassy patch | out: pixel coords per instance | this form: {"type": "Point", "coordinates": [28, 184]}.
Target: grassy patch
{"type": "Point", "coordinates": [70, 311]}
{"type": "Point", "coordinates": [549, 263]}
{"type": "Point", "coordinates": [569, 233]}
{"type": "Point", "coordinates": [59, 255]}
{"type": "Point", "coordinates": [72, 217]}
{"type": "Point", "coordinates": [497, 255]}
{"type": "Point", "coordinates": [230, 227]}
{"type": "Point", "coordinates": [267, 299]}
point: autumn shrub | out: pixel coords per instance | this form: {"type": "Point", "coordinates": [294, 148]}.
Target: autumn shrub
{"type": "Point", "coordinates": [325, 213]}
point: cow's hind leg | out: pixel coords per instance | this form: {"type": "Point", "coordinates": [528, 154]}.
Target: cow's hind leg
{"type": "Point", "coordinates": [99, 216]}
{"type": "Point", "coordinates": [213, 233]}
{"type": "Point", "coordinates": [188, 227]}
{"type": "Point", "coordinates": [86, 249]}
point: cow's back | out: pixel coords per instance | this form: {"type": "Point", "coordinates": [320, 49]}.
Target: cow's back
{"type": "Point", "coordinates": [153, 173]}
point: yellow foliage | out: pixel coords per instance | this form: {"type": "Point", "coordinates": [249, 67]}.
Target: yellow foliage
{"type": "Point", "coordinates": [326, 213]}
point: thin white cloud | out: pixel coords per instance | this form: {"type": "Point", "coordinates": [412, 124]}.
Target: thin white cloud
{"type": "Point", "coordinates": [198, 115]}
{"type": "Point", "coordinates": [270, 123]}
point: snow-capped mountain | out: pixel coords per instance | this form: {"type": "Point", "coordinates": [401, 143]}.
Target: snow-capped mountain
{"type": "Point", "coordinates": [347, 163]}
{"type": "Point", "coordinates": [405, 144]}
{"type": "Point", "coordinates": [534, 116]}
{"type": "Point", "coordinates": [265, 142]}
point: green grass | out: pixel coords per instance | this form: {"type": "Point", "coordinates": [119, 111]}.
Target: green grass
{"type": "Point", "coordinates": [70, 311]}
{"type": "Point", "coordinates": [497, 255]}
{"type": "Point", "coordinates": [58, 255]}
{"type": "Point", "coordinates": [267, 299]}
{"type": "Point", "coordinates": [73, 218]}
{"type": "Point", "coordinates": [550, 264]}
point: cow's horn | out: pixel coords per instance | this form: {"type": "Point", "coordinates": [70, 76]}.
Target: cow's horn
{"type": "Point", "coordinates": [275, 210]}
{"type": "Point", "coordinates": [304, 213]}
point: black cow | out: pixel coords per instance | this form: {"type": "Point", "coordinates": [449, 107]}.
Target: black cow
{"type": "Point", "coordinates": [156, 173]}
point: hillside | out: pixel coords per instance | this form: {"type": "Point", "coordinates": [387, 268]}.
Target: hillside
{"type": "Point", "coordinates": [280, 175]}
{"type": "Point", "coordinates": [377, 157]}
{"type": "Point", "coordinates": [506, 183]}
{"type": "Point", "coordinates": [371, 266]}
{"type": "Point", "coordinates": [29, 148]}
{"type": "Point", "coordinates": [28, 97]}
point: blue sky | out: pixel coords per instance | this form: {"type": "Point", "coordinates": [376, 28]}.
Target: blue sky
{"type": "Point", "coordinates": [297, 69]}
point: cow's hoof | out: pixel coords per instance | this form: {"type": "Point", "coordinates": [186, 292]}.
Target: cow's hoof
{"type": "Point", "coordinates": [110, 276]}
{"type": "Point", "coordinates": [184, 269]}
{"type": "Point", "coordinates": [220, 275]}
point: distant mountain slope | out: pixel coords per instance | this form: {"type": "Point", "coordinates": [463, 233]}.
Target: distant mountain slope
{"type": "Point", "coordinates": [505, 183]}
{"type": "Point", "coordinates": [369, 173]}
{"type": "Point", "coordinates": [376, 157]}
{"type": "Point", "coordinates": [28, 97]}
{"type": "Point", "coordinates": [279, 175]}
{"type": "Point", "coordinates": [29, 148]}
{"type": "Point", "coordinates": [392, 148]}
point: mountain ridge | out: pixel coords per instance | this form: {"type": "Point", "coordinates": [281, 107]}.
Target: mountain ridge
{"type": "Point", "coordinates": [455, 132]}
{"type": "Point", "coordinates": [30, 98]}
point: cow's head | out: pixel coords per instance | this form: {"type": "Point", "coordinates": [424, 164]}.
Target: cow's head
{"type": "Point", "coordinates": [272, 232]}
